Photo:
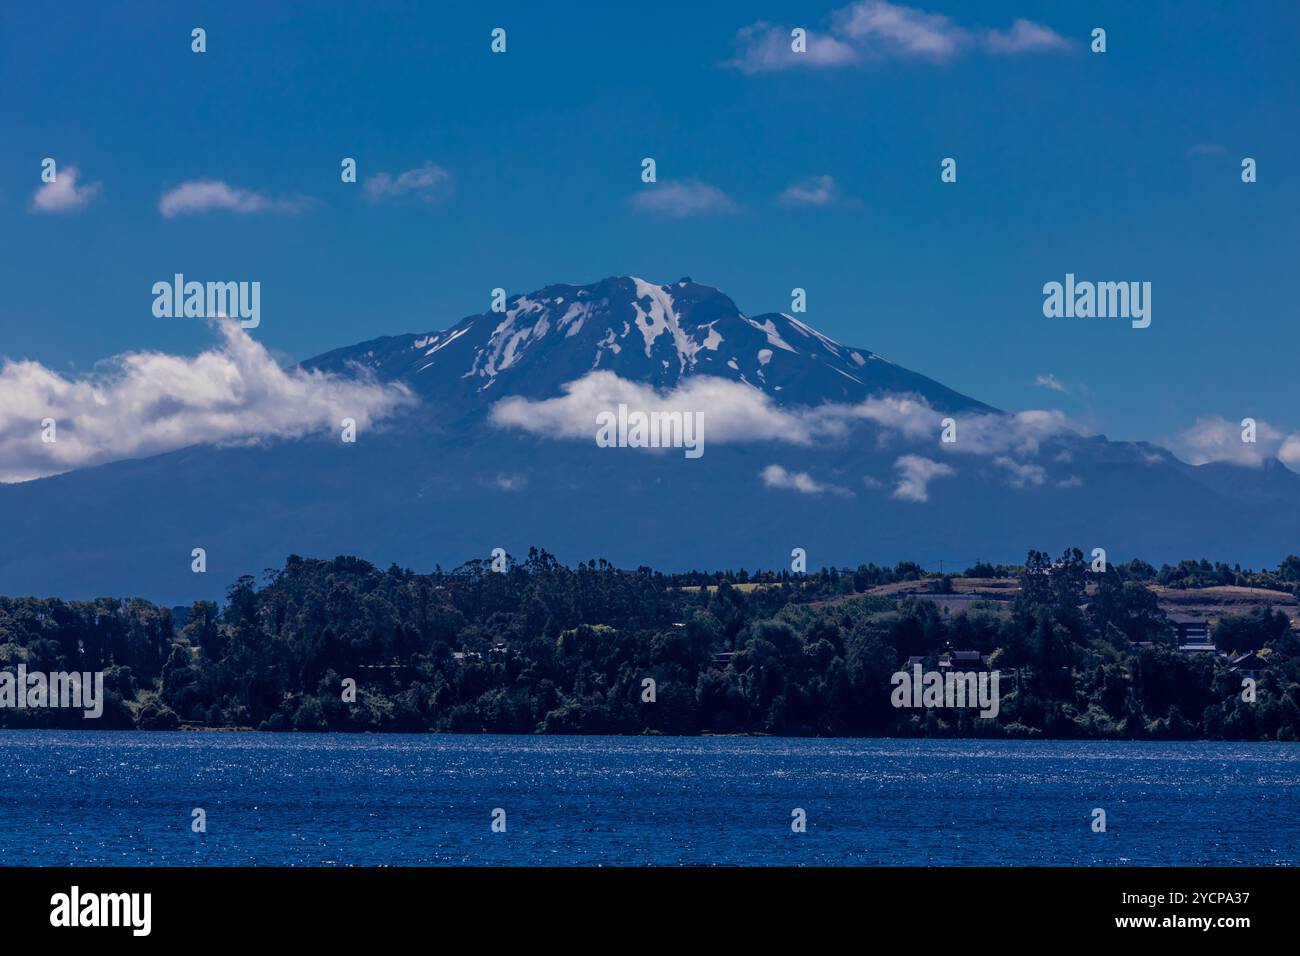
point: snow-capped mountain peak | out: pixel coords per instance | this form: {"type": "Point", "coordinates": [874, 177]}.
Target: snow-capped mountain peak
{"type": "Point", "coordinates": [654, 334]}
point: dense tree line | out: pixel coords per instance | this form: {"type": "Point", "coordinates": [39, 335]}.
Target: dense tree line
{"type": "Point", "coordinates": [1203, 574]}
{"type": "Point", "coordinates": [541, 647]}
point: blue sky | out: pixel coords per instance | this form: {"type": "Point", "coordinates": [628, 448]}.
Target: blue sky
{"type": "Point", "coordinates": [1115, 166]}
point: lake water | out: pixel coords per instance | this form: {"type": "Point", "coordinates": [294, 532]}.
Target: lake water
{"type": "Point", "coordinates": [92, 798]}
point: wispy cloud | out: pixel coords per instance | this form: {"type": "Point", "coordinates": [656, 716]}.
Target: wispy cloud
{"type": "Point", "coordinates": [775, 476]}
{"type": "Point", "coordinates": [682, 200]}
{"type": "Point", "coordinates": [145, 403]}
{"type": "Point", "coordinates": [878, 30]}
{"type": "Point", "coordinates": [1025, 36]}
{"type": "Point", "coordinates": [764, 48]}
{"type": "Point", "coordinates": [1216, 439]}
{"type": "Point", "coordinates": [199, 196]}
{"type": "Point", "coordinates": [1049, 381]}
{"type": "Point", "coordinates": [914, 476]}
{"type": "Point", "coordinates": [428, 183]}
{"type": "Point", "coordinates": [886, 29]}
{"type": "Point", "coordinates": [64, 195]}
{"type": "Point", "coordinates": [1021, 473]}
{"type": "Point", "coordinates": [511, 482]}
{"type": "Point", "coordinates": [817, 191]}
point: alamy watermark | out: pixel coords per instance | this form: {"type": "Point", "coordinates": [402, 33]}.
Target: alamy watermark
{"type": "Point", "coordinates": [61, 689]}
{"type": "Point", "coordinates": [75, 908]}
{"type": "Point", "coordinates": [951, 689]}
{"type": "Point", "coordinates": [1102, 300]}
{"type": "Point", "coordinates": [209, 300]}
{"type": "Point", "coordinates": [651, 430]}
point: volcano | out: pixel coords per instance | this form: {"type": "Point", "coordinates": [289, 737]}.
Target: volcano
{"type": "Point", "coordinates": [812, 444]}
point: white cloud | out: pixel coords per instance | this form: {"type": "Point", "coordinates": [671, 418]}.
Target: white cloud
{"type": "Point", "coordinates": [915, 475]}
{"type": "Point", "coordinates": [208, 195]}
{"type": "Point", "coordinates": [738, 412]}
{"type": "Point", "coordinates": [1216, 439]}
{"type": "Point", "coordinates": [733, 411]}
{"type": "Point", "coordinates": [1289, 452]}
{"type": "Point", "coordinates": [1025, 36]}
{"type": "Point", "coordinates": [818, 191]}
{"type": "Point", "coordinates": [146, 403]}
{"type": "Point", "coordinates": [1022, 473]}
{"type": "Point", "coordinates": [908, 416]}
{"type": "Point", "coordinates": [774, 476]}
{"type": "Point", "coordinates": [427, 183]}
{"type": "Point", "coordinates": [681, 200]}
{"type": "Point", "coordinates": [764, 48]}
{"type": "Point", "coordinates": [1022, 433]}
{"type": "Point", "coordinates": [887, 29]}
{"type": "Point", "coordinates": [1050, 381]}
{"type": "Point", "coordinates": [64, 195]}
{"type": "Point", "coordinates": [877, 30]}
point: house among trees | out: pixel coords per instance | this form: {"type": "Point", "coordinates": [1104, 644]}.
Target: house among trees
{"type": "Point", "coordinates": [959, 661]}
{"type": "Point", "coordinates": [969, 661]}
{"type": "Point", "coordinates": [1249, 665]}
{"type": "Point", "coordinates": [1193, 633]}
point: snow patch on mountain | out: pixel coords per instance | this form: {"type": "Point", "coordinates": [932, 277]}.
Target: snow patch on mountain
{"type": "Point", "coordinates": [809, 332]}
{"type": "Point", "coordinates": [773, 336]}
{"type": "Point", "coordinates": [573, 319]}
{"type": "Point", "coordinates": [661, 317]}
{"type": "Point", "coordinates": [448, 340]}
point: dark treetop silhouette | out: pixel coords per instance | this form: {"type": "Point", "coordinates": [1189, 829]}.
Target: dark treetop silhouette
{"type": "Point", "coordinates": [545, 648]}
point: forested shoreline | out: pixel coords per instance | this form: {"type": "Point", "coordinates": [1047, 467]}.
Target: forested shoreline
{"type": "Point", "coordinates": [341, 645]}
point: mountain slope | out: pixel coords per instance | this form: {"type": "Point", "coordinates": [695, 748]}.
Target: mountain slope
{"type": "Point", "coordinates": [657, 335]}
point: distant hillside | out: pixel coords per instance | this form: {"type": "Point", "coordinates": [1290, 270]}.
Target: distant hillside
{"type": "Point", "coordinates": [543, 648]}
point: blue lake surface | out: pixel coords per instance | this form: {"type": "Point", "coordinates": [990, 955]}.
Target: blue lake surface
{"type": "Point", "coordinates": [125, 798]}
